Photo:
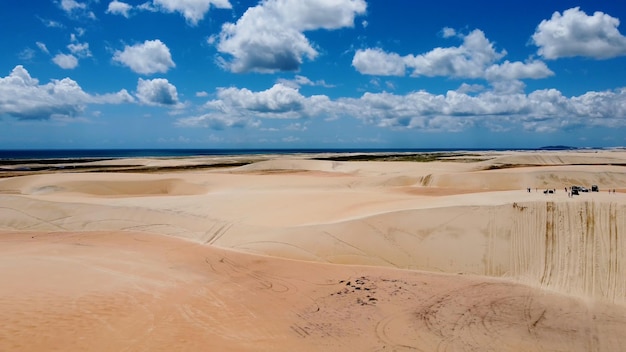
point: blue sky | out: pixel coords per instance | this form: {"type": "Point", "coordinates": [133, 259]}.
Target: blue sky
{"type": "Point", "coordinates": [311, 74]}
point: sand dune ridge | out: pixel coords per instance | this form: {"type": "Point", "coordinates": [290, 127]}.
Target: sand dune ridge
{"type": "Point", "coordinates": [280, 254]}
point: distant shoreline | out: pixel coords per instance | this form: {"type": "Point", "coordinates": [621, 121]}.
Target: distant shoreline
{"type": "Point", "coordinates": [32, 162]}
{"type": "Point", "coordinates": [101, 154]}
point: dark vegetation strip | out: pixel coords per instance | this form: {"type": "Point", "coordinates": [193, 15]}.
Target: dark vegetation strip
{"type": "Point", "coordinates": [513, 166]}
{"type": "Point", "coordinates": [417, 157]}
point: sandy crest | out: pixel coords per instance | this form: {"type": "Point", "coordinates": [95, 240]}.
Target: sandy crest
{"type": "Point", "coordinates": [444, 255]}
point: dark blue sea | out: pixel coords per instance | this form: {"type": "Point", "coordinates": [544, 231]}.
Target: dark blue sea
{"type": "Point", "coordinates": [139, 153]}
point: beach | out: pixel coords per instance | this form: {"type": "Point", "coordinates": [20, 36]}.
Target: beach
{"type": "Point", "coordinates": [454, 251]}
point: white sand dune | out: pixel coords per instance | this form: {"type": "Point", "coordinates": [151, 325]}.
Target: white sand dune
{"type": "Point", "coordinates": [122, 185]}
{"type": "Point", "coordinates": [380, 244]}
{"type": "Point", "coordinates": [132, 291]}
{"type": "Point", "coordinates": [556, 158]}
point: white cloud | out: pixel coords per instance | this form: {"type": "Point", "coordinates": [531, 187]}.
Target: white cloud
{"type": "Point", "coordinates": [501, 107]}
{"type": "Point", "coordinates": [475, 58]}
{"type": "Point", "coordinates": [601, 105]}
{"type": "Point", "coordinates": [299, 81]}
{"type": "Point", "coordinates": [278, 101]}
{"type": "Point", "coordinates": [119, 8]}
{"type": "Point", "coordinates": [113, 98]}
{"type": "Point", "coordinates": [448, 32]}
{"type": "Point", "coordinates": [470, 88]}
{"type": "Point", "coordinates": [379, 63]}
{"type": "Point", "coordinates": [468, 60]}
{"type": "Point", "coordinates": [80, 49]}
{"type": "Point", "coordinates": [76, 9]}
{"type": "Point", "coordinates": [574, 33]}
{"type": "Point", "coordinates": [156, 92]}
{"type": "Point", "coordinates": [269, 37]}
{"type": "Point", "coordinates": [517, 70]}
{"type": "Point", "coordinates": [202, 94]}
{"type": "Point", "coordinates": [150, 57]}
{"type": "Point", "coordinates": [541, 110]}
{"type": "Point", "coordinates": [42, 47]}
{"type": "Point", "coordinates": [72, 5]}
{"type": "Point", "coordinates": [509, 87]}
{"type": "Point", "coordinates": [22, 96]}
{"type": "Point", "coordinates": [192, 10]}
{"type": "Point", "coordinates": [65, 61]}
{"type": "Point", "coordinates": [147, 6]}
{"type": "Point", "coordinates": [235, 107]}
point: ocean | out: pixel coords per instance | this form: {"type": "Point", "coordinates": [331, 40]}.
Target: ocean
{"type": "Point", "coordinates": [164, 153]}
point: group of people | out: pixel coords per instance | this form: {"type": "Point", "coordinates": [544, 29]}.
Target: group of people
{"type": "Point", "coordinates": [569, 192]}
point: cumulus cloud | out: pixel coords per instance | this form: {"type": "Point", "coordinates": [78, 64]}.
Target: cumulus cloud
{"type": "Point", "coordinates": [80, 49]}
{"type": "Point", "coordinates": [540, 111]}
{"type": "Point", "coordinates": [574, 33]}
{"type": "Point", "coordinates": [379, 63]}
{"type": "Point", "coordinates": [156, 92]}
{"type": "Point", "coordinates": [69, 61]}
{"type": "Point", "coordinates": [119, 8]}
{"type": "Point", "coordinates": [235, 107]}
{"type": "Point", "coordinates": [269, 37]}
{"type": "Point", "coordinates": [150, 57]}
{"type": "Point", "coordinates": [470, 88]}
{"type": "Point", "coordinates": [192, 10]}
{"type": "Point", "coordinates": [147, 6]}
{"type": "Point", "coordinates": [503, 106]}
{"type": "Point", "coordinates": [517, 70]}
{"type": "Point", "coordinates": [65, 61]}
{"type": "Point", "coordinates": [22, 96]}
{"type": "Point", "coordinates": [448, 32]}
{"type": "Point", "coordinates": [467, 60]}
{"type": "Point", "coordinates": [476, 57]}
{"type": "Point", "coordinates": [278, 101]}
{"type": "Point", "coordinates": [72, 5]}
{"type": "Point", "coordinates": [76, 9]}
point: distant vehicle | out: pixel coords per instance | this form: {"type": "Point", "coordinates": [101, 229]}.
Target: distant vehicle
{"type": "Point", "coordinates": [583, 189]}
{"type": "Point", "coordinates": [574, 191]}
{"type": "Point", "coordinates": [576, 188]}
{"type": "Point", "coordinates": [594, 188]}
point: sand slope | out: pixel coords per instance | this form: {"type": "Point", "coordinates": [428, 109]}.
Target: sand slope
{"type": "Point", "coordinates": [491, 266]}
{"type": "Point", "coordinates": [132, 291]}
